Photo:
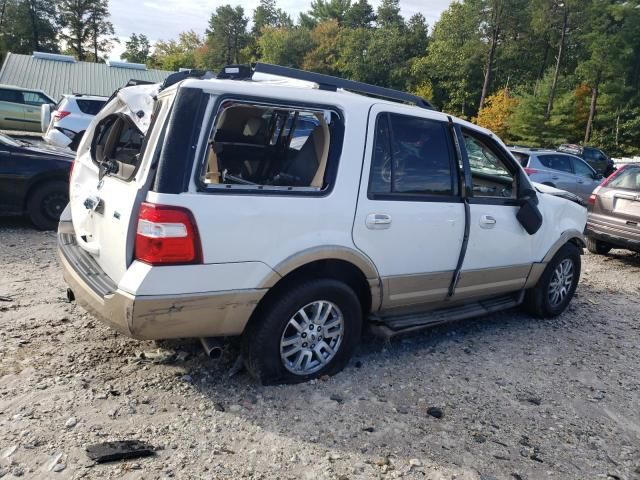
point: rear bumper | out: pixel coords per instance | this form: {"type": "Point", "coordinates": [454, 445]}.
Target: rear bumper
{"type": "Point", "coordinates": [57, 138]}
{"type": "Point", "coordinates": [616, 237]}
{"type": "Point", "coordinates": [151, 317]}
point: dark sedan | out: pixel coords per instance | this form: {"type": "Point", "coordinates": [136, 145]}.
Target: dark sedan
{"type": "Point", "coordinates": [614, 212]}
{"type": "Point", "coordinates": [33, 181]}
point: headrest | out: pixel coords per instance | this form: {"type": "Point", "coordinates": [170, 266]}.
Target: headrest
{"type": "Point", "coordinates": [252, 127]}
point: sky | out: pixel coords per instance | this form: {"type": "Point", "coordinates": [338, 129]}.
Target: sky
{"type": "Point", "coordinates": [165, 19]}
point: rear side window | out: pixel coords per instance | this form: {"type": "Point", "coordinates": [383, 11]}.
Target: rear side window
{"type": "Point", "coordinates": [90, 107]}
{"type": "Point", "coordinates": [267, 147]}
{"type": "Point", "coordinates": [581, 168]}
{"type": "Point", "coordinates": [411, 156]}
{"type": "Point", "coordinates": [13, 96]}
{"type": "Point", "coordinates": [562, 163]}
{"type": "Point", "coordinates": [629, 179]}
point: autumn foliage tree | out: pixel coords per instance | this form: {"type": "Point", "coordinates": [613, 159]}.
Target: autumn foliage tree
{"type": "Point", "coordinates": [496, 112]}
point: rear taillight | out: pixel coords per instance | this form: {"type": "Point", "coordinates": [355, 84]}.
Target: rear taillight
{"type": "Point", "coordinates": [530, 171]}
{"type": "Point", "coordinates": [167, 235]}
{"type": "Point", "coordinates": [60, 114]}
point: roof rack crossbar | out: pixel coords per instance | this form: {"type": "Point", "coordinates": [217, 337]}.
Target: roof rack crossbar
{"type": "Point", "coordinates": [327, 82]}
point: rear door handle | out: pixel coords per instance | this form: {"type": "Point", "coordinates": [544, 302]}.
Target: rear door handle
{"type": "Point", "coordinates": [487, 221]}
{"type": "Point", "coordinates": [378, 221]}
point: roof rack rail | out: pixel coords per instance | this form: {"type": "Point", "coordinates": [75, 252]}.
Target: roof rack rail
{"type": "Point", "coordinates": [327, 82]}
{"type": "Point", "coordinates": [183, 75]}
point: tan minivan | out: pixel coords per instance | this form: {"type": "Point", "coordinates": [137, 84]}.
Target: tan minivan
{"type": "Point", "coordinates": [20, 108]}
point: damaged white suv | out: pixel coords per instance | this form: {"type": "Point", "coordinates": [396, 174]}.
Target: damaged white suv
{"type": "Point", "coordinates": [293, 209]}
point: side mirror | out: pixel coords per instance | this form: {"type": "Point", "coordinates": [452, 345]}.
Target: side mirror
{"type": "Point", "coordinates": [529, 214]}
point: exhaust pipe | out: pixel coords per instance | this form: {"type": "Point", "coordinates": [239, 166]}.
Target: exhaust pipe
{"type": "Point", "coordinates": [70, 295]}
{"type": "Point", "coordinates": [212, 347]}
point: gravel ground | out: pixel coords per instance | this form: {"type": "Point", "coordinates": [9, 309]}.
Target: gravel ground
{"type": "Point", "coordinates": [520, 398]}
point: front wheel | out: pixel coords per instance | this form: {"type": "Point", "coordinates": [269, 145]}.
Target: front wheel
{"type": "Point", "coordinates": [305, 332]}
{"type": "Point", "coordinates": [556, 286]}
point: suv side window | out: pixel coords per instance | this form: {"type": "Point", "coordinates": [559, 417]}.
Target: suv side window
{"type": "Point", "coordinates": [581, 168]}
{"type": "Point", "coordinates": [13, 96]}
{"type": "Point", "coordinates": [272, 148]}
{"type": "Point", "coordinates": [411, 156]}
{"type": "Point", "coordinates": [490, 174]}
{"type": "Point", "coordinates": [562, 163]}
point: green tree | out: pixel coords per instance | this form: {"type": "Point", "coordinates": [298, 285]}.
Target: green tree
{"type": "Point", "coordinates": [226, 36]}
{"type": "Point", "coordinates": [86, 27]}
{"type": "Point", "coordinates": [137, 49]}
{"type": "Point", "coordinates": [326, 10]}
{"type": "Point", "coordinates": [28, 26]}
{"type": "Point", "coordinates": [323, 57]}
{"type": "Point", "coordinates": [188, 51]}
{"type": "Point", "coordinates": [267, 14]}
{"type": "Point", "coordinates": [388, 14]}
{"type": "Point", "coordinates": [284, 46]}
{"type": "Point", "coordinates": [360, 15]}
{"type": "Point", "coordinates": [100, 29]}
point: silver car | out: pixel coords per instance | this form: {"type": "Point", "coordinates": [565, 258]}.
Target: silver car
{"type": "Point", "coordinates": [559, 170]}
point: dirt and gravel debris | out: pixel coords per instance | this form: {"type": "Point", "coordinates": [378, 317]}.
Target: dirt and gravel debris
{"type": "Point", "coordinates": [502, 397]}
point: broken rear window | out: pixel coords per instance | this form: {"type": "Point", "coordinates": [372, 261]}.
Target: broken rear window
{"type": "Point", "coordinates": [271, 147]}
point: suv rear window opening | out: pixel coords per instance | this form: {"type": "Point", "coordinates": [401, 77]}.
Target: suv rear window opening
{"type": "Point", "coordinates": [116, 146]}
{"type": "Point", "coordinates": [260, 146]}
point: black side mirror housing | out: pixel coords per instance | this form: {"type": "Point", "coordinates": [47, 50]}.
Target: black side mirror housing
{"type": "Point", "coordinates": [529, 214]}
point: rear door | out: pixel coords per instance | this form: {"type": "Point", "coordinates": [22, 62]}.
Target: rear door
{"type": "Point", "coordinates": [111, 178]}
{"type": "Point", "coordinates": [560, 170]}
{"type": "Point", "coordinates": [32, 101]}
{"type": "Point", "coordinates": [410, 217]}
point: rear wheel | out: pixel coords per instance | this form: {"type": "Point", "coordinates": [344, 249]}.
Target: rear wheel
{"type": "Point", "coordinates": [556, 286]}
{"type": "Point", "coordinates": [306, 332]}
{"type": "Point", "coordinates": [598, 247]}
{"type": "Point", "coordinates": [46, 203]}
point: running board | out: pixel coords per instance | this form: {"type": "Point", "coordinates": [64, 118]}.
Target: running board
{"type": "Point", "coordinates": [388, 327]}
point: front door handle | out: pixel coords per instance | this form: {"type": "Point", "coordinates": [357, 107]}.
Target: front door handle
{"type": "Point", "coordinates": [378, 221]}
{"type": "Point", "coordinates": [487, 221]}
{"type": "Point", "coordinates": [555, 177]}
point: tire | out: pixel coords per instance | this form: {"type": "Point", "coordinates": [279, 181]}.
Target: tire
{"type": "Point", "coordinates": [598, 247]}
{"type": "Point", "coordinates": [266, 359]}
{"type": "Point", "coordinates": [539, 300]}
{"type": "Point", "coordinates": [45, 204]}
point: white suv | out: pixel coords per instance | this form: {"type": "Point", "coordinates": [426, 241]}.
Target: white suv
{"type": "Point", "coordinates": [66, 124]}
{"type": "Point", "coordinates": [194, 213]}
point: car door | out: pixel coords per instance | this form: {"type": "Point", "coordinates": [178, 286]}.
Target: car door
{"type": "Point", "coordinates": [587, 179]}
{"type": "Point", "coordinates": [410, 217]}
{"type": "Point", "coordinates": [32, 102]}
{"type": "Point", "coordinates": [560, 171]}
{"type": "Point", "coordinates": [11, 109]}
{"type": "Point", "coordinates": [499, 252]}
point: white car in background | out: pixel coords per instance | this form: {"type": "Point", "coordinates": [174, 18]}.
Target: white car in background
{"type": "Point", "coordinates": [66, 124]}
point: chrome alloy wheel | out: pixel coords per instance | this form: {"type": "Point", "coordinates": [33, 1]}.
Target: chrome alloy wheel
{"type": "Point", "coordinates": [312, 337]}
{"type": "Point", "coordinates": [561, 282]}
